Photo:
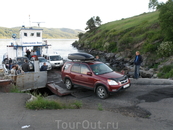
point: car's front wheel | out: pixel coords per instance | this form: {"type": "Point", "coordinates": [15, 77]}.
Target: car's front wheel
{"type": "Point", "coordinates": [102, 92]}
{"type": "Point", "coordinates": [68, 84]}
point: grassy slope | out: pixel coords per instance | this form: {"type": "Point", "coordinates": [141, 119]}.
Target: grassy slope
{"type": "Point", "coordinates": [125, 34]}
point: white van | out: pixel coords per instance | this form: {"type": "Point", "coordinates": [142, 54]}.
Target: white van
{"type": "Point", "coordinates": [55, 60]}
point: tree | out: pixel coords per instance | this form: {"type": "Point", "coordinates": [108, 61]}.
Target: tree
{"type": "Point", "coordinates": [93, 22]}
{"type": "Point", "coordinates": [98, 21]}
{"type": "Point", "coordinates": [153, 4]}
{"type": "Point", "coordinates": [166, 19]}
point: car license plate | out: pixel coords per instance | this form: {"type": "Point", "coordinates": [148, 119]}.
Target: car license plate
{"type": "Point", "coordinates": [125, 86]}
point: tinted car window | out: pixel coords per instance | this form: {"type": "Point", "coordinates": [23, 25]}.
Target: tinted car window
{"type": "Point", "coordinates": [84, 69]}
{"type": "Point", "coordinates": [75, 68]}
{"type": "Point", "coordinates": [100, 68]}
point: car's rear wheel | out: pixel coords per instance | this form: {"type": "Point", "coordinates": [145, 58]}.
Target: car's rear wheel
{"type": "Point", "coordinates": [68, 84]}
{"type": "Point", "coordinates": [102, 92]}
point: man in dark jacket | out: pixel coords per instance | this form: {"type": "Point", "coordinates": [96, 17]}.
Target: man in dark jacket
{"type": "Point", "coordinates": [25, 66]}
{"type": "Point", "coordinates": [138, 60]}
{"type": "Point", "coordinates": [43, 67]}
{"type": "Point", "coordinates": [10, 64]}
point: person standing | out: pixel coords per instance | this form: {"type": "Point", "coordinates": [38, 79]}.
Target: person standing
{"type": "Point", "coordinates": [28, 53]}
{"type": "Point", "coordinates": [10, 64]}
{"type": "Point", "coordinates": [43, 67]}
{"type": "Point", "coordinates": [25, 66]}
{"type": "Point", "coordinates": [32, 53]}
{"type": "Point", "coordinates": [14, 74]}
{"type": "Point", "coordinates": [18, 69]}
{"type": "Point", "coordinates": [97, 58]}
{"type": "Point", "coordinates": [138, 60]}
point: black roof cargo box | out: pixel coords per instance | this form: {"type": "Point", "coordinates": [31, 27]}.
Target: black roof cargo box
{"type": "Point", "coordinates": [80, 56]}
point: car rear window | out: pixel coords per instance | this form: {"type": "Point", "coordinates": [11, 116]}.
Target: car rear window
{"type": "Point", "coordinates": [66, 66]}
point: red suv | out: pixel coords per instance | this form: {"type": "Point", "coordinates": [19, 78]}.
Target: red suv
{"type": "Point", "coordinates": [93, 75]}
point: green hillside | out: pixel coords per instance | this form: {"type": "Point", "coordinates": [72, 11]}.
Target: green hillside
{"type": "Point", "coordinates": [49, 33]}
{"type": "Point", "coordinates": [140, 32]}
{"type": "Point", "coordinates": [143, 33]}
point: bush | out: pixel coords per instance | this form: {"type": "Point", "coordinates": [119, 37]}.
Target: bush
{"type": "Point", "coordinates": [42, 103]}
{"type": "Point", "coordinates": [166, 72]}
{"type": "Point", "coordinates": [15, 89]}
{"type": "Point", "coordinates": [148, 47]}
{"type": "Point", "coordinates": [165, 49]}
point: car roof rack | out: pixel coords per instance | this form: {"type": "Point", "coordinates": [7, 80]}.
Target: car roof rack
{"type": "Point", "coordinates": [80, 56]}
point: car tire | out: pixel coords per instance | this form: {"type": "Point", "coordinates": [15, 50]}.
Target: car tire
{"type": "Point", "coordinates": [102, 92]}
{"type": "Point", "coordinates": [68, 84]}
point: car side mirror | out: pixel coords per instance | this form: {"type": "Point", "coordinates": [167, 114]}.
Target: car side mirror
{"type": "Point", "coordinates": [89, 73]}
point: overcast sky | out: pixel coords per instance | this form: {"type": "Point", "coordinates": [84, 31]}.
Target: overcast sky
{"type": "Point", "coordinates": [67, 13]}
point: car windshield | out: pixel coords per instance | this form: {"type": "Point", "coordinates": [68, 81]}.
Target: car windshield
{"type": "Point", "coordinates": [55, 58]}
{"type": "Point", "coordinates": [42, 60]}
{"type": "Point", "coordinates": [100, 68]}
{"type": "Point", "coordinates": [21, 60]}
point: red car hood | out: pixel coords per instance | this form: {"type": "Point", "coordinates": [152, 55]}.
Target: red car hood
{"type": "Point", "coordinates": [112, 74]}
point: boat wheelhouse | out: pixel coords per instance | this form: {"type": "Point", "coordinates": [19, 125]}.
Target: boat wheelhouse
{"type": "Point", "coordinates": [30, 38]}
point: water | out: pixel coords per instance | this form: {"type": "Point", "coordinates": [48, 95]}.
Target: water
{"type": "Point", "coordinates": [61, 46]}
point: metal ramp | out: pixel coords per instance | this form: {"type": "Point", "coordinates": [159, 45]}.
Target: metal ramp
{"type": "Point", "coordinates": [56, 89]}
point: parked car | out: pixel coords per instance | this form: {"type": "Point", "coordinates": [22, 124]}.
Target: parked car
{"type": "Point", "coordinates": [21, 60]}
{"type": "Point", "coordinates": [55, 60]}
{"type": "Point", "coordinates": [42, 60]}
{"type": "Point", "coordinates": [93, 75]}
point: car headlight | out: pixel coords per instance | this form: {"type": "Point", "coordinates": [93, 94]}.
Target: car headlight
{"type": "Point", "coordinates": [112, 82]}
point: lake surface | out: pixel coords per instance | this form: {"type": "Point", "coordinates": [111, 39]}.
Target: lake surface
{"type": "Point", "coordinates": [62, 46]}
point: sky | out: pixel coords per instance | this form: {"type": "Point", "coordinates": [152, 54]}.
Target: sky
{"type": "Point", "coordinates": [67, 13]}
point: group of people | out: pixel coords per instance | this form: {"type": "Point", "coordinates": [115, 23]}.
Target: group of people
{"type": "Point", "coordinates": [16, 70]}
{"type": "Point", "coordinates": [31, 53]}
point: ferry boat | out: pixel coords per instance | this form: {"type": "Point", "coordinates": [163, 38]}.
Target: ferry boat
{"type": "Point", "coordinates": [30, 38]}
